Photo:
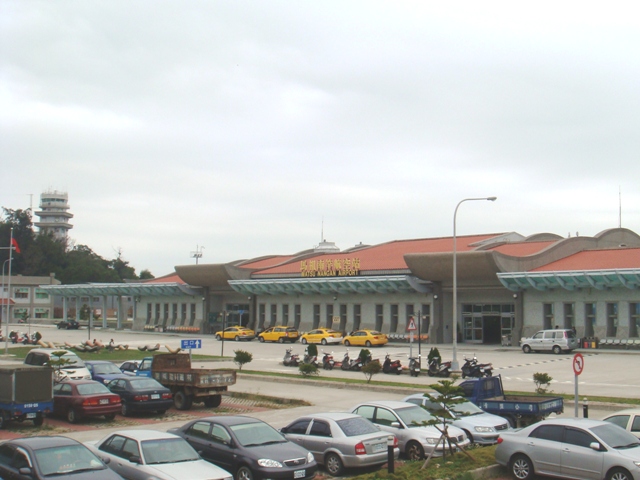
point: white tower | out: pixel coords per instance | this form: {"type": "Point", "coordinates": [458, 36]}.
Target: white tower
{"type": "Point", "coordinates": [54, 215]}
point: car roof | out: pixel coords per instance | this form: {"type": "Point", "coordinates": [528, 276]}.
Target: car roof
{"type": "Point", "coordinates": [96, 362]}
{"type": "Point", "coordinates": [388, 403]}
{"type": "Point", "coordinates": [626, 411]}
{"type": "Point", "coordinates": [80, 381]}
{"type": "Point", "coordinates": [143, 434]}
{"type": "Point", "coordinates": [572, 422]}
{"type": "Point", "coordinates": [49, 350]}
{"type": "Point", "coordinates": [232, 419]}
{"type": "Point", "coordinates": [332, 415]}
{"type": "Point", "coordinates": [39, 442]}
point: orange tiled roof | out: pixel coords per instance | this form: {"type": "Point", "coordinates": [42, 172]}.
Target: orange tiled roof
{"type": "Point", "coordinates": [523, 249]}
{"type": "Point", "coordinates": [169, 278]}
{"type": "Point", "coordinates": [268, 262]}
{"type": "Point", "coordinates": [596, 260]}
{"type": "Point", "coordinates": [390, 255]}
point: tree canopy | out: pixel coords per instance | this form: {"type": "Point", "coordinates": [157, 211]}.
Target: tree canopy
{"type": "Point", "coordinates": [42, 255]}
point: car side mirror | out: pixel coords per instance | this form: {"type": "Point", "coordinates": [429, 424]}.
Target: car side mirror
{"type": "Point", "coordinates": [595, 446]}
{"type": "Point", "coordinates": [395, 424]}
{"type": "Point", "coordinates": [135, 459]}
{"type": "Point", "coordinates": [26, 471]}
{"type": "Point", "coordinates": [105, 460]}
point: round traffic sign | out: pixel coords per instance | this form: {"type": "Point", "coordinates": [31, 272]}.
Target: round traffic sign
{"type": "Point", "coordinates": [578, 363]}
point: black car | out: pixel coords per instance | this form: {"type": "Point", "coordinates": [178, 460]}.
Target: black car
{"type": "Point", "coordinates": [41, 458]}
{"type": "Point", "coordinates": [248, 448]}
{"type": "Point", "coordinates": [141, 394]}
{"type": "Point", "coordinates": [68, 325]}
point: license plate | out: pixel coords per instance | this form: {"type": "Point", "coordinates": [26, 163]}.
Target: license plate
{"type": "Point", "coordinates": [155, 396]}
{"type": "Point", "coordinates": [104, 401]}
{"type": "Point", "coordinates": [299, 474]}
{"type": "Point", "coordinates": [379, 447]}
{"type": "Point", "coordinates": [31, 415]}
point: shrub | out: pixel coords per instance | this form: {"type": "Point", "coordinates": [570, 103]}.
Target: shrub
{"type": "Point", "coordinates": [312, 350]}
{"type": "Point", "coordinates": [308, 369]}
{"type": "Point", "coordinates": [542, 381]}
{"type": "Point", "coordinates": [242, 357]}
{"type": "Point", "coordinates": [372, 368]}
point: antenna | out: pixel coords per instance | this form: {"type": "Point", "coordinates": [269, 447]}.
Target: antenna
{"type": "Point", "coordinates": [322, 230]}
{"type": "Point", "coordinates": [198, 253]}
{"type": "Point", "coordinates": [619, 207]}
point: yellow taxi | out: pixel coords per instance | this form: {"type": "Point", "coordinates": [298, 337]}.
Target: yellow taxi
{"type": "Point", "coordinates": [365, 338]}
{"type": "Point", "coordinates": [279, 334]}
{"type": "Point", "coordinates": [321, 335]}
{"type": "Point", "coordinates": [236, 333]}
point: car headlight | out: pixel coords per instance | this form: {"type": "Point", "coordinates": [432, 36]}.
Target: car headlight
{"type": "Point", "coordinates": [483, 429]}
{"type": "Point", "coordinates": [267, 462]}
{"type": "Point", "coordinates": [432, 441]}
{"type": "Point", "coordinates": [310, 457]}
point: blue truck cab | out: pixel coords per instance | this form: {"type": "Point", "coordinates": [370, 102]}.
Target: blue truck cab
{"type": "Point", "coordinates": [26, 393]}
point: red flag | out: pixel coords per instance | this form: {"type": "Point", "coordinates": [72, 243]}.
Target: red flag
{"type": "Point", "coordinates": [14, 244]}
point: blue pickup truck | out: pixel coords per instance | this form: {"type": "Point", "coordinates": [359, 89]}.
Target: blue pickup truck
{"type": "Point", "coordinates": [520, 410]}
{"type": "Point", "coordinates": [26, 393]}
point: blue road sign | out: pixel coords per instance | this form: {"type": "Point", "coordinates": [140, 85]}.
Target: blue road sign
{"type": "Point", "coordinates": [190, 344]}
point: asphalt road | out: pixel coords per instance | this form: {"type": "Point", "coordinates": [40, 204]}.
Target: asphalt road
{"type": "Point", "coordinates": [605, 373]}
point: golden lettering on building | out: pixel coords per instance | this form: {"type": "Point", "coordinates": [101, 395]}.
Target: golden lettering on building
{"type": "Point", "coordinates": [337, 267]}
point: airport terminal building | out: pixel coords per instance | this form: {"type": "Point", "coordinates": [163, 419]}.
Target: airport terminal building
{"type": "Point", "coordinates": [506, 285]}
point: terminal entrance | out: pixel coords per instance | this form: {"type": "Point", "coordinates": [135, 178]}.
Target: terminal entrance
{"type": "Point", "coordinates": [487, 323]}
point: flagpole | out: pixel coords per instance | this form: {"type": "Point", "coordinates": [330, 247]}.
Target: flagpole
{"type": "Point", "coordinates": [8, 308]}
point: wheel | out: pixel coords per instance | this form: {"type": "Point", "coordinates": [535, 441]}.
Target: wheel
{"type": "Point", "coordinates": [557, 350]}
{"type": "Point", "coordinates": [469, 436]}
{"type": "Point", "coordinates": [521, 467]}
{"type": "Point", "coordinates": [38, 421]}
{"type": "Point", "coordinates": [281, 340]}
{"type": "Point", "coordinates": [323, 341]}
{"type": "Point", "coordinates": [218, 337]}
{"type": "Point", "coordinates": [4, 419]}
{"type": "Point", "coordinates": [303, 341]}
{"type": "Point", "coordinates": [414, 451]}
{"type": "Point", "coordinates": [237, 339]}
{"type": "Point", "coordinates": [259, 338]}
{"type": "Point", "coordinates": [619, 474]}
{"type": "Point", "coordinates": [367, 344]}
{"type": "Point", "coordinates": [110, 416]}
{"type": "Point", "coordinates": [244, 473]}
{"type": "Point", "coordinates": [333, 464]}
{"type": "Point", "coordinates": [213, 401]}
{"type": "Point", "coordinates": [161, 412]}
{"type": "Point", "coordinates": [72, 416]}
{"type": "Point", "coordinates": [526, 349]}
{"type": "Point", "coordinates": [59, 326]}
{"type": "Point", "coordinates": [347, 343]}
{"type": "Point", "coordinates": [182, 401]}
{"type": "Point", "coordinates": [126, 410]}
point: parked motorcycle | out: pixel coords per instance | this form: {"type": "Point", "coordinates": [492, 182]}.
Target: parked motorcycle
{"type": "Point", "coordinates": [414, 366]}
{"type": "Point", "coordinates": [327, 361]}
{"type": "Point", "coordinates": [438, 368]}
{"type": "Point", "coordinates": [391, 366]}
{"type": "Point", "coordinates": [351, 364]}
{"type": "Point", "coordinates": [291, 359]}
{"type": "Point", "coordinates": [312, 359]}
{"type": "Point", "coordinates": [21, 337]}
{"type": "Point", "coordinates": [473, 369]}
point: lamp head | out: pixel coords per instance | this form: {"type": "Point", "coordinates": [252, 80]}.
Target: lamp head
{"type": "Point", "coordinates": [492, 199]}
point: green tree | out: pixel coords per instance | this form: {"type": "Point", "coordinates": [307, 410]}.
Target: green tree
{"type": "Point", "coordinates": [242, 357]}
{"type": "Point", "coordinates": [308, 369]}
{"type": "Point", "coordinates": [146, 275]}
{"type": "Point", "coordinates": [542, 382]}
{"type": "Point", "coordinates": [371, 368]}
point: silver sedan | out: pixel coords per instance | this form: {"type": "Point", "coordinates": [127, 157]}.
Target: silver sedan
{"type": "Point", "coordinates": [145, 454]}
{"type": "Point", "coordinates": [341, 440]}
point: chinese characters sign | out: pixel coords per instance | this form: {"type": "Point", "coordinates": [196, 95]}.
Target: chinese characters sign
{"type": "Point", "coordinates": [335, 267]}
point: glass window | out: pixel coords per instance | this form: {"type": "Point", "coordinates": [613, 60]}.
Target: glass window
{"type": "Point", "coordinates": [352, 427]}
{"type": "Point", "coordinates": [320, 429]}
{"type": "Point", "coordinates": [548, 432]}
{"type": "Point", "coordinates": [366, 411]}
{"type": "Point", "coordinates": [299, 427]}
{"type": "Point", "coordinates": [578, 437]}
{"type": "Point", "coordinates": [620, 420]}
{"type": "Point", "coordinates": [385, 417]}
{"type": "Point", "coordinates": [635, 426]}
{"type": "Point", "coordinates": [41, 294]}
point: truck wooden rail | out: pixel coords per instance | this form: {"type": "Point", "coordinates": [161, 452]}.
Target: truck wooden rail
{"type": "Point", "coordinates": [187, 384]}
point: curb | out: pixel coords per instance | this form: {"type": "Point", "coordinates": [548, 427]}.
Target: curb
{"type": "Point", "coordinates": [486, 472]}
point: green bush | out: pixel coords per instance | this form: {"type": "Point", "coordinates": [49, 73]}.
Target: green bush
{"type": "Point", "coordinates": [542, 381]}
{"type": "Point", "coordinates": [308, 369]}
{"type": "Point", "coordinates": [372, 368]}
{"type": "Point", "coordinates": [242, 357]}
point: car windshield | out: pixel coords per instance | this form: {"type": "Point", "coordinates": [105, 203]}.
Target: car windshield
{"type": "Point", "coordinates": [145, 383]}
{"type": "Point", "coordinates": [466, 408]}
{"type": "Point", "coordinates": [67, 459]}
{"type": "Point", "coordinates": [254, 434]}
{"type": "Point", "coordinates": [92, 388]}
{"type": "Point", "coordinates": [72, 360]}
{"type": "Point", "coordinates": [616, 437]}
{"type": "Point", "coordinates": [105, 369]}
{"type": "Point", "coordinates": [355, 426]}
{"type": "Point", "coordinates": [414, 416]}
{"type": "Point", "coordinates": [168, 450]}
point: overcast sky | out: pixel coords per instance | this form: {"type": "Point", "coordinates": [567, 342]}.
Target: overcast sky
{"type": "Point", "coordinates": [248, 127]}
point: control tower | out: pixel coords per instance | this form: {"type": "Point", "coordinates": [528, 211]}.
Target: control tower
{"type": "Point", "coordinates": [54, 214]}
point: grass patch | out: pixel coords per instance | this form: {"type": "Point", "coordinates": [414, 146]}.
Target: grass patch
{"type": "Point", "coordinates": [117, 356]}
{"type": "Point", "coordinates": [269, 401]}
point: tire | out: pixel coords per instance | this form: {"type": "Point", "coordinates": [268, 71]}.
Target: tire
{"type": "Point", "coordinates": [110, 417]}
{"type": "Point", "coordinates": [414, 451]}
{"type": "Point", "coordinates": [125, 409]}
{"type": "Point", "coordinates": [333, 464]}
{"type": "Point", "coordinates": [4, 419]}
{"type": "Point", "coordinates": [526, 349]}
{"type": "Point", "coordinates": [38, 421]}
{"type": "Point", "coordinates": [521, 467]}
{"type": "Point", "coordinates": [218, 337]}
{"type": "Point", "coordinates": [213, 401]}
{"type": "Point", "coordinates": [237, 339]}
{"type": "Point", "coordinates": [244, 473]}
{"type": "Point", "coordinates": [323, 341]}
{"type": "Point", "coordinates": [619, 474]}
{"type": "Point", "coordinates": [367, 344]}
{"type": "Point", "coordinates": [161, 412]}
{"type": "Point", "coordinates": [303, 341]}
{"type": "Point", "coordinates": [557, 350]}
{"type": "Point", "coordinates": [281, 340]}
{"type": "Point", "coordinates": [259, 338]}
{"type": "Point", "coordinates": [59, 327]}
{"type": "Point", "coordinates": [181, 400]}
{"type": "Point", "coordinates": [469, 436]}
{"type": "Point", "coordinates": [72, 416]}
{"type": "Point", "coordinates": [347, 343]}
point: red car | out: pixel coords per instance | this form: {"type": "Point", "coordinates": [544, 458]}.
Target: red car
{"type": "Point", "coordinates": [75, 399]}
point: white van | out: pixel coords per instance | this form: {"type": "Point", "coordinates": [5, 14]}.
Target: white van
{"type": "Point", "coordinates": [556, 341]}
{"type": "Point", "coordinates": [75, 369]}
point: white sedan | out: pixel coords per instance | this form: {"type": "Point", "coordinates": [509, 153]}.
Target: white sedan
{"type": "Point", "coordinates": [144, 454]}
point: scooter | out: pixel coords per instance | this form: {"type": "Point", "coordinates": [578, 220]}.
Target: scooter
{"type": "Point", "coordinates": [389, 366]}
{"type": "Point", "coordinates": [439, 369]}
{"type": "Point", "coordinates": [349, 364]}
{"type": "Point", "coordinates": [312, 359]}
{"type": "Point", "coordinates": [327, 361]}
{"type": "Point", "coordinates": [414, 366]}
{"type": "Point", "coordinates": [291, 359]}
{"type": "Point", "coordinates": [473, 369]}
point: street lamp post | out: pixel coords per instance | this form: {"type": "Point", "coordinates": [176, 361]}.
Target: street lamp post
{"type": "Point", "coordinates": [455, 366]}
